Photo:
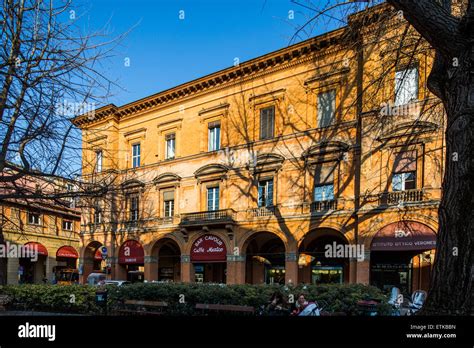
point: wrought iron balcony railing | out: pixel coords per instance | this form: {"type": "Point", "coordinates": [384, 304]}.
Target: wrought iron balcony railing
{"type": "Point", "coordinates": [322, 206]}
{"type": "Point", "coordinates": [208, 217]}
{"type": "Point", "coordinates": [262, 211]}
{"type": "Point", "coordinates": [397, 197]}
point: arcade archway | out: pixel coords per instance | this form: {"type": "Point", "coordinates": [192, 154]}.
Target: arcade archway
{"type": "Point", "coordinates": [323, 258]}
{"type": "Point", "coordinates": [265, 259]}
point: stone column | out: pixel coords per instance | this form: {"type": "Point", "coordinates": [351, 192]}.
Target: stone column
{"type": "Point", "coordinates": [12, 270]}
{"type": "Point", "coordinates": [187, 271]}
{"type": "Point", "coordinates": [235, 269]}
{"type": "Point", "coordinates": [363, 269]}
{"type": "Point", "coordinates": [151, 268]}
{"type": "Point", "coordinates": [50, 263]}
{"type": "Point", "coordinates": [119, 272]}
{"type": "Point", "coordinates": [291, 268]}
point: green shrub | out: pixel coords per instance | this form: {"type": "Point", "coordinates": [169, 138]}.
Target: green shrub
{"type": "Point", "coordinates": [55, 298]}
{"type": "Point", "coordinates": [52, 298]}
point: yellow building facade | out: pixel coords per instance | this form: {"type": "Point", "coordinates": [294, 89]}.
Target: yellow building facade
{"type": "Point", "coordinates": [49, 228]}
{"type": "Point", "coordinates": [317, 163]}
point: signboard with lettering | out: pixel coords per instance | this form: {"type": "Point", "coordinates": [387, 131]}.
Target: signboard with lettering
{"type": "Point", "coordinates": [131, 253]}
{"type": "Point", "coordinates": [208, 248]}
{"type": "Point", "coordinates": [404, 235]}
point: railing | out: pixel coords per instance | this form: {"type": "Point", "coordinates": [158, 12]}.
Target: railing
{"type": "Point", "coordinates": [166, 220]}
{"type": "Point", "coordinates": [397, 197]}
{"type": "Point", "coordinates": [321, 206]}
{"type": "Point", "coordinates": [262, 211]}
{"type": "Point", "coordinates": [214, 216]}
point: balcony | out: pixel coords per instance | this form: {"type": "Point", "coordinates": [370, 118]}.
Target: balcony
{"type": "Point", "coordinates": [223, 216]}
{"type": "Point", "coordinates": [262, 211]}
{"type": "Point", "coordinates": [323, 206]}
{"type": "Point", "coordinates": [397, 197]}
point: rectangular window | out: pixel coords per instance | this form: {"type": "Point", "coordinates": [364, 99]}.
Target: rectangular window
{"type": "Point", "coordinates": [213, 198]}
{"type": "Point", "coordinates": [67, 225]}
{"type": "Point", "coordinates": [326, 108]}
{"type": "Point", "coordinates": [267, 122]}
{"type": "Point", "coordinates": [97, 216]}
{"type": "Point", "coordinates": [214, 136]}
{"type": "Point", "coordinates": [33, 219]}
{"type": "Point", "coordinates": [406, 86]}
{"type": "Point", "coordinates": [168, 203]}
{"type": "Point", "coordinates": [134, 210]}
{"type": "Point", "coordinates": [98, 161]}
{"type": "Point", "coordinates": [323, 193]}
{"type": "Point", "coordinates": [404, 181]}
{"type": "Point", "coordinates": [404, 171]}
{"type": "Point", "coordinates": [170, 140]}
{"type": "Point", "coordinates": [265, 193]}
{"type": "Point", "coordinates": [135, 155]}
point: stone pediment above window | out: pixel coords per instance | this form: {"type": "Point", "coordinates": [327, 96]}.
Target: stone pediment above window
{"type": "Point", "coordinates": [167, 179]}
{"type": "Point", "coordinates": [410, 129]}
{"type": "Point", "coordinates": [132, 185]}
{"type": "Point", "coordinates": [328, 151]}
{"type": "Point", "coordinates": [268, 162]}
{"type": "Point", "coordinates": [211, 172]}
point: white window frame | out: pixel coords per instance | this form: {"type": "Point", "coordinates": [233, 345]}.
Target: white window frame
{"type": "Point", "coordinates": [323, 119]}
{"type": "Point", "coordinates": [406, 86]}
{"type": "Point", "coordinates": [214, 138]}
{"type": "Point", "coordinates": [65, 225]}
{"type": "Point", "coordinates": [98, 161]}
{"type": "Point", "coordinates": [37, 221]}
{"type": "Point", "coordinates": [136, 155]}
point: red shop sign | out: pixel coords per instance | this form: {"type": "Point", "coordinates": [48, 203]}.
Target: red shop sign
{"type": "Point", "coordinates": [98, 255]}
{"type": "Point", "coordinates": [131, 252]}
{"type": "Point", "coordinates": [208, 248]}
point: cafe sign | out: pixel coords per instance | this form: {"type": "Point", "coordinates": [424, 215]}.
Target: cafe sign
{"type": "Point", "coordinates": [208, 248]}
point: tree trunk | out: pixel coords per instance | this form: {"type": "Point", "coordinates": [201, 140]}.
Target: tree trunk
{"type": "Point", "coordinates": [451, 290]}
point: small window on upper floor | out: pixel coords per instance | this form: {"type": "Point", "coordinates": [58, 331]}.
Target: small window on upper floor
{"type": "Point", "coordinates": [136, 155]}
{"type": "Point", "coordinates": [134, 208]}
{"type": "Point", "coordinates": [170, 140]}
{"type": "Point", "coordinates": [97, 216]}
{"type": "Point", "coordinates": [168, 203]}
{"type": "Point", "coordinates": [98, 161]}
{"type": "Point", "coordinates": [406, 86]}
{"type": "Point", "coordinates": [326, 108]}
{"type": "Point", "coordinates": [67, 225]}
{"type": "Point", "coordinates": [404, 172]}
{"type": "Point", "coordinates": [265, 193]}
{"type": "Point", "coordinates": [214, 137]}
{"type": "Point", "coordinates": [267, 122]}
{"type": "Point", "coordinates": [34, 219]}
{"type": "Point", "coordinates": [213, 198]}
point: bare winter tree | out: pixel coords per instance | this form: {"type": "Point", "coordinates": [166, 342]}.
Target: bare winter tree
{"type": "Point", "coordinates": [448, 27]}
{"type": "Point", "coordinates": [49, 73]}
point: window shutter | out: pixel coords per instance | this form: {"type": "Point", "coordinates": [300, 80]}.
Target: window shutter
{"type": "Point", "coordinates": [168, 195]}
{"type": "Point", "coordinates": [405, 162]}
{"type": "Point", "coordinates": [324, 173]}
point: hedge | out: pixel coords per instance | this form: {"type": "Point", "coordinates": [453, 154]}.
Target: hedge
{"type": "Point", "coordinates": [56, 298]}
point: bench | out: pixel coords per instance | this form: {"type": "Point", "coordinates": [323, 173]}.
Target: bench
{"type": "Point", "coordinates": [225, 308]}
{"type": "Point", "coordinates": [4, 300]}
{"type": "Point", "coordinates": [140, 307]}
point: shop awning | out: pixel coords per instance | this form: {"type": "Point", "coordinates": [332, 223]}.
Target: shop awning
{"type": "Point", "coordinates": [67, 252]}
{"type": "Point", "coordinates": [40, 247]}
{"type": "Point", "coordinates": [404, 235]}
{"type": "Point", "coordinates": [208, 248]}
{"type": "Point", "coordinates": [131, 253]}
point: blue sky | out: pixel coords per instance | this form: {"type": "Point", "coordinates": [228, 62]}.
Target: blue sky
{"type": "Point", "coordinates": [164, 50]}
